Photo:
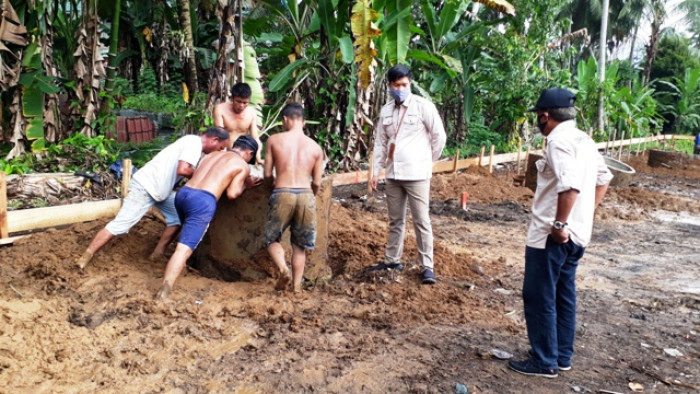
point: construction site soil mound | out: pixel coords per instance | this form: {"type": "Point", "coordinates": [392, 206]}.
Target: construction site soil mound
{"type": "Point", "coordinates": [66, 330]}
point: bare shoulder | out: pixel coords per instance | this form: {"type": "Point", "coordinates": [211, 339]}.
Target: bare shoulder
{"type": "Point", "coordinates": [220, 107]}
{"type": "Point", "coordinates": [250, 112]}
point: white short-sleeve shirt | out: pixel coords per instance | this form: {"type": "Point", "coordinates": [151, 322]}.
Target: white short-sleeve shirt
{"type": "Point", "coordinates": [571, 161]}
{"type": "Point", "coordinates": [159, 175]}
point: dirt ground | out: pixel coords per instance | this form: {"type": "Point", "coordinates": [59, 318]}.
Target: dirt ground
{"type": "Point", "coordinates": [638, 325]}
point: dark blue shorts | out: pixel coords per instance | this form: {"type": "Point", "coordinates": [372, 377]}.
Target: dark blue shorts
{"type": "Point", "coordinates": [196, 208]}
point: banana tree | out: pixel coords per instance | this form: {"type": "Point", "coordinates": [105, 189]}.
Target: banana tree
{"type": "Point", "coordinates": [684, 106]}
{"type": "Point", "coordinates": [12, 40]}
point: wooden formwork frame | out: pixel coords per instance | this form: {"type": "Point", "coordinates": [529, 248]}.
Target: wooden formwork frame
{"type": "Point", "coordinates": [38, 218]}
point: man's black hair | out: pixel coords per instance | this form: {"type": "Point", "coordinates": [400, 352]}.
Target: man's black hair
{"type": "Point", "coordinates": [293, 110]}
{"type": "Point", "coordinates": [397, 72]}
{"type": "Point", "coordinates": [241, 89]}
{"type": "Point", "coordinates": [216, 132]}
{"type": "Point", "coordinates": [246, 142]}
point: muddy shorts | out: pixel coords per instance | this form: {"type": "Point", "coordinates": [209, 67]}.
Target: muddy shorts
{"type": "Point", "coordinates": [295, 208]}
{"type": "Point", "coordinates": [196, 208]}
{"type": "Point", "coordinates": [135, 206]}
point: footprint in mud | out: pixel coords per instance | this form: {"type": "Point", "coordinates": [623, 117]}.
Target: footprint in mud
{"type": "Point", "coordinates": [78, 317]}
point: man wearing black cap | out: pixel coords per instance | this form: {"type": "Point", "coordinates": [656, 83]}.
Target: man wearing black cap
{"type": "Point", "coordinates": [196, 201]}
{"type": "Point", "coordinates": [572, 179]}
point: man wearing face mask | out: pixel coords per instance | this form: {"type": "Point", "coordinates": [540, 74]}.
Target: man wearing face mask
{"type": "Point", "coordinates": [572, 179]}
{"type": "Point", "coordinates": [409, 137]}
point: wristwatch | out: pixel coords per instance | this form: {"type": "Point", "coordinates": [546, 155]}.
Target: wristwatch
{"type": "Point", "coordinates": [559, 225]}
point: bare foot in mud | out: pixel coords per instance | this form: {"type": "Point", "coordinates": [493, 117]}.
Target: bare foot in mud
{"type": "Point", "coordinates": [297, 289]}
{"type": "Point", "coordinates": [283, 281]}
{"type": "Point", "coordinates": [84, 259]}
{"type": "Point", "coordinates": [163, 292]}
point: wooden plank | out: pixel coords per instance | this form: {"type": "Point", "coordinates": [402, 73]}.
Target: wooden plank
{"type": "Point", "coordinates": [369, 173]}
{"type": "Point", "coordinates": [11, 240]}
{"type": "Point", "coordinates": [4, 231]}
{"type": "Point", "coordinates": [454, 168]}
{"type": "Point", "coordinates": [36, 218]}
{"type": "Point", "coordinates": [481, 155]}
{"type": "Point", "coordinates": [619, 151]}
{"type": "Point", "coordinates": [126, 177]}
{"type": "Point", "coordinates": [493, 147]}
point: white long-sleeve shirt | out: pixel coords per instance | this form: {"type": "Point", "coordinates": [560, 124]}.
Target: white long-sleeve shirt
{"type": "Point", "coordinates": [570, 162]}
{"type": "Point", "coordinates": [419, 142]}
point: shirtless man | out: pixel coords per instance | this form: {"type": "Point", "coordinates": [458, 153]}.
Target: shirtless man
{"type": "Point", "coordinates": [153, 185]}
{"type": "Point", "coordinates": [236, 117]}
{"type": "Point", "coordinates": [298, 164]}
{"type": "Point", "coordinates": [196, 201]}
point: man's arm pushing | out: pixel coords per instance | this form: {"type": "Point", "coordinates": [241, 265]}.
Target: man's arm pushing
{"type": "Point", "coordinates": [237, 185]}
{"type": "Point", "coordinates": [317, 174]}
{"type": "Point", "coordinates": [269, 162]}
{"type": "Point", "coordinates": [185, 169]}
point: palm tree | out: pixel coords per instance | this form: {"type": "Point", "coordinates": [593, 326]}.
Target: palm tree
{"type": "Point", "coordinates": [658, 13]}
{"type": "Point", "coordinates": [186, 25]}
{"type": "Point", "coordinates": [691, 9]}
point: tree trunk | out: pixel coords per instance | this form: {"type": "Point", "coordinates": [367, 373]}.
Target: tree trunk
{"type": "Point", "coordinates": [113, 48]}
{"type": "Point", "coordinates": [220, 71]}
{"type": "Point", "coordinates": [89, 68]}
{"type": "Point", "coordinates": [185, 23]}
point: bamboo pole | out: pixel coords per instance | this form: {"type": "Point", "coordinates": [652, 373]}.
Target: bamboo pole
{"type": "Point", "coordinates": [517, 163]}
{"type": "Point", "coordinates": [4, 232]}
{"type": "Point", "coordinates": [481, 155]}
{"type": "Point", "coordinates": [36, 218]}
{"type": "Point", "coordinates": [456, 159]}
{"type": "Point", "coordinates": [527, 157]}
{"type": "Point", "coordinates": [369, 173]}
{"type": "Point", "coordinates": [126, 176]}
{"type": "Point", "coordinates": [619, 150]}
{"type": "Point", "coordinates": [491, 159]}
{"type": "Point", "coordinates": [629, 148]}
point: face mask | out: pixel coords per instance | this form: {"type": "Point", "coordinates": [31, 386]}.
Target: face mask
{"type": "Point", "coordinates": [541, 126]}
{"type": "Point", "coordinates": [399, 95]}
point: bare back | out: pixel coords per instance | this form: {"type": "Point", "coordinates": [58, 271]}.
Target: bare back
{"type": "Point", "coordinates": [237, 124]}
{"type": "Point", "coordinates": [296, 159]}
{"type": "Point", "coordinates": [220, 171]}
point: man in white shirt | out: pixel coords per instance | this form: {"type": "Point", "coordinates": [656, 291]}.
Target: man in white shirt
{"type": "Point", "coordinates": [572, 179]}
{"type": "Point", "coordinates": [409, 137]}
{"type": "Point", "coordinates": [153, 185]}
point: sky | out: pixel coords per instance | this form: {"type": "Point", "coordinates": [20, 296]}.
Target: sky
{"type": "Point", "coordinates": [674, 19]}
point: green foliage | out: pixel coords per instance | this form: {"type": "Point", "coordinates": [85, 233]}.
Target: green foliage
{"type": "Point", "coordinates": [146, 81]}
{"type": "Point", "coordinates": [79, 152]}
{"type": "Point", "coordinates": [154, 102]}
{"type": "Point", "coordinates": [193, 117]}
{"type": "Point", "coordinates": [479, 135]}
{"type": "Point", "coordinates": [74, 153]}
{"type": "Point", "coordinates": [683, 102]}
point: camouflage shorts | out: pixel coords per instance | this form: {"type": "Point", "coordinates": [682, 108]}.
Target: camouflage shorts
{"type": "Point", "coordinates": [295, 208]}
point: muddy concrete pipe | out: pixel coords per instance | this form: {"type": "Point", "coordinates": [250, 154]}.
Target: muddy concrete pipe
{"type": "Point", "coordinates": [668, 159]}
{"type": "Point", "coordinates": [234, 247]}
{"type": "Point", "coordinates": [531, 171]}
{"type": "Point", "coordinates": [622, 173]}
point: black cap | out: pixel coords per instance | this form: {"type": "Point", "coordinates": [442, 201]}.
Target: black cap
{"type": "Point", "coordinates": [247, 142]}
{"type": "Point", "coordinates": [554, 98]}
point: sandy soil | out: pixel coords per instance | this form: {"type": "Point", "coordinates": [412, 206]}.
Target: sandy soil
{"type": "Point", "coordinates": [64, 330]}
